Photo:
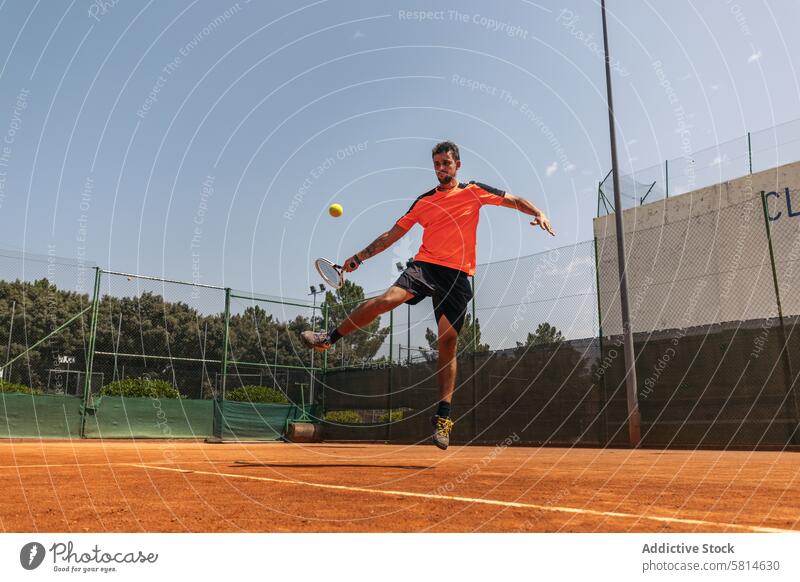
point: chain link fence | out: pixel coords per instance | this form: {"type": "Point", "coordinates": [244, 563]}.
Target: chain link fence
{"type": "Point", "coordinates": [45, 322]}
{"type": "Point", "coordinates": [753, 152]}
{"type": "Point", "coordinates": [539, 355]}
{"type": "Point", "coordinates": [713, 279]}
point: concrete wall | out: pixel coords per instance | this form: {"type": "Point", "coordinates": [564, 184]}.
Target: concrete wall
{"type": "Point", "coordinates": [702, 258]}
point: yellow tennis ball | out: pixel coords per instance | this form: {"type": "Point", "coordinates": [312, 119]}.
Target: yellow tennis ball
{"type": "Point", "coordinates": [335, 210]}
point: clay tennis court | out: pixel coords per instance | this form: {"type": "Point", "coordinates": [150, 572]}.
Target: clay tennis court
{"type": "Point", "coordinates": [152, 486]}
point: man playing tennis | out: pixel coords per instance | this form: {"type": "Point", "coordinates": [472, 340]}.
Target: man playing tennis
{"type": "Point", "coordinates": [449, 216]}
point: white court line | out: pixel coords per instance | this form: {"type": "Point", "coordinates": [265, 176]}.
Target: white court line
{"type": "Point", "coordinates": [495, 502]}
{"type": "Point", "coordinates": [59, 465]}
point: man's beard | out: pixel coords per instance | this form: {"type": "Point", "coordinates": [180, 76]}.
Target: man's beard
{"type": "Point", "coordinates": [444, 181]}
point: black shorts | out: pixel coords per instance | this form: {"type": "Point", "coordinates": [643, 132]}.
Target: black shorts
{"type": "Point", "coordinates": [449, 288]}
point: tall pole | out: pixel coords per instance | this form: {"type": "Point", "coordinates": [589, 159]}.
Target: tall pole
{"type": "Point", "coordinates": [634, 419]}
{"type": "Point", "coordinates": [10, 335]}
{"type": "Point", "coordinates": [219, 400]}
{"type": "Point", "coordinates": [791, 400]}
{"type": "Point", "coordinates": [324, 360]}
{"type": "Point", "coordinates": [313, 328]}
{"type": "Point", "coordinates": [391, 374]}
{"type": "Point", "coordinates": [603, 435]}
{"type": "Point", "coordinates": [474, 363]}
{"type": "Point", "coordinates": [87, 380]}
{"type": "Point", "coordinates": [408, 333]}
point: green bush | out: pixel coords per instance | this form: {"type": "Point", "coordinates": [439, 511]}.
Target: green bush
{"type": "Point", "coordinates": [343, 417]}
{"type": "Point", "coordinates": [140, 388]}
{"type": "Point", "coordinates": [260, 394]}
{"type": "Point", "coordinates": [392, 416]}
{"type": "Point", "coordinates": [19, 388]}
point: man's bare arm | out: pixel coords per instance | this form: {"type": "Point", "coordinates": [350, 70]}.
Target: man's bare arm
{"type": "Point", "coordinates": [527, 207]}
{"type": "Point", "coordinates": [379, 245]}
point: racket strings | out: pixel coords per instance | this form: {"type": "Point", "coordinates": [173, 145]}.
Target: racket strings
{"type": "Point", "coordinates": [330, 274]}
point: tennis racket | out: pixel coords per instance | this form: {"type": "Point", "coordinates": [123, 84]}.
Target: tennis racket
{"type": "Point", "coordinates": [330, 272]}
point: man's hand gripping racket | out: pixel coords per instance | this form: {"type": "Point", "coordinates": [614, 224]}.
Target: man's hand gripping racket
{"type": "Point", "coordinates": [332, 273]}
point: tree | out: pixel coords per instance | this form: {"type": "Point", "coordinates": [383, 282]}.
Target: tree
{"type": "Point", "coordinates": [258, 337]}
{"type": "Point", "coordinates": [138, 336]}
{"type": "Point", "coordinates": [29, 311]}
{"type": "Point", "coordinates": [361, 345]}
{"type": "Point", "coordinates": [546, 334]}
{"type": "Point", "coordinates": [466, 339]}
{"type": "Point", "coordinates": [146, 335]}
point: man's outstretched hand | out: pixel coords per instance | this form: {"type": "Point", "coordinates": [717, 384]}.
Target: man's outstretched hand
{"type": "Point", "coordinates": [544, 222]}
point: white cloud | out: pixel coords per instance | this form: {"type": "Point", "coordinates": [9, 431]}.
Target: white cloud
{"type": "Point", "coordinates": [754, 57]}
{"type": "Point", "coordinates": [632, 142]}
{"type": "Point", "coordinates": [358, 34]}
{"type": "Point", "coordinates": [551, 169]}
{"type": "Point", "coordinates": [715, 87]}
{"type": "Point", "coordinates": [569, 167]}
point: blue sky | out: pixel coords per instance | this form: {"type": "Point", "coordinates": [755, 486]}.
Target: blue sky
{"type": "Point", "coordinates": [206, 139]}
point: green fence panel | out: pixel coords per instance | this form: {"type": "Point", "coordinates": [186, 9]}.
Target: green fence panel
{"type": "Point", "coordinates": [255, 421]}
{"type": "Point", "coordinates": [120, 417]}
{"type": "Point", "coordinates": [39, 416]}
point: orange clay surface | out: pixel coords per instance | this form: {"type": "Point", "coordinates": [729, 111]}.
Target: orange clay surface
{"type": "Point", "coordinates": [158, 486]}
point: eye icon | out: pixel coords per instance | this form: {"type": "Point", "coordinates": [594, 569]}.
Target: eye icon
{"type": "Point", "coordinates": [31, 555]}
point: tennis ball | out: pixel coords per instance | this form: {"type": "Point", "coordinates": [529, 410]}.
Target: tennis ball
{"type": "Point", "coordinates": [335, 210]}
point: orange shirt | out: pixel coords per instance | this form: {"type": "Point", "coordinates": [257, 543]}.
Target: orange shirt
{"type": "Point", "coordinates": [450, 220]}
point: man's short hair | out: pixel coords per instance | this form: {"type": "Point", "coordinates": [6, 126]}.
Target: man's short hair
{"type": "Point", "coordinates": [444, 147]}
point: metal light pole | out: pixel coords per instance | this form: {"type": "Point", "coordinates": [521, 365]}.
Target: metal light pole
{"type": "Point", "coordinates": [314, 292]}
{"type": "Point", "coordinates": [401, 268]}
{"type": "Point", "coordinates": [634, 419]}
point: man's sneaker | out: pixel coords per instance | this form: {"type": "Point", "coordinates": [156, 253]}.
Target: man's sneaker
{"type": "Point", "coordinates": [320, 341]}
{"type": "Point", "coordinates": [441, 431]}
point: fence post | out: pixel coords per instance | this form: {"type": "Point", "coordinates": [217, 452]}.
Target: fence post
{"type": "Point", "coordinates": [324, 362]}
{"type": "Point", "coordinates": [474, 365]}
{"type": "Point", "coordinates": [219, 416]}
{"type": "Point", "coordinates": [391, 375]}
{"type": "Point", "coordinates": [599, 186]}
{"type": "Point", "coordinates": [749, 153]}
{"type": "Point", "coordinates": [87, 381]}
{"type": "Point", "coordinates": [603, 436]}
{"type": "Point", "coordinates": [666, 179]}
{"type": "Point", "coordinates": [791, 399]}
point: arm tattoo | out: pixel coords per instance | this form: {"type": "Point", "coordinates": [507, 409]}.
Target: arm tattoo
{"type": "Point", "coordinates": [375, 247]}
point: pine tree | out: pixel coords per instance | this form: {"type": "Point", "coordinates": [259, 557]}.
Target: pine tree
{"type": "Point", "coordinates": [361, 345]}
{"type": "Point", "coordinates": [545, 334]}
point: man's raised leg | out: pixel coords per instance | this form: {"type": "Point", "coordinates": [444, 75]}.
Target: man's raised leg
{"type": "Point", "coordinates": [360, 317]}
{"type": "Point", "coordinates": [363, 315]}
